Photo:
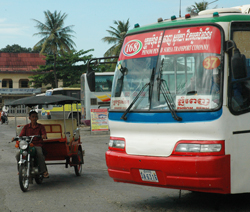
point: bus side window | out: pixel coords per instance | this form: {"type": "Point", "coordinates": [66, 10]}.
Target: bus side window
{"type": "Point", "coordinates": [240, 89]}
{"type": "Point", "coordinates": [109, 83]}
{"type": "Point", "coordinates": [240, 94]}
{"type": "Point", "coordinates": [98, 88]}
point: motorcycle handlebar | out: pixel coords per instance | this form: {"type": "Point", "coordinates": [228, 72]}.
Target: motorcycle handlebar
{"type": "Point", "coordinates": [23, 137]}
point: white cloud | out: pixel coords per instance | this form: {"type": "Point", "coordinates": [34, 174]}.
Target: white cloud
{"type": "Point", "coordinates": [12, 29]}
{"type": "Point", "coordinates": [2, 20]}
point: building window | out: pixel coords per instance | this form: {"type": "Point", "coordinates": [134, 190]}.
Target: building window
{"type": "Point", "coordinates": [4, 84]}
{"type": "Point", "coordinates": [10, 84]}
{"type": "Point", "coordinates": [7, 83]}
{"type": "Point", "coordinates": [24, 83]}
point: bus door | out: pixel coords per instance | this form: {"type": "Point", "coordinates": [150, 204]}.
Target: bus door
{"type": "Point", "coordinates": [239, 106]}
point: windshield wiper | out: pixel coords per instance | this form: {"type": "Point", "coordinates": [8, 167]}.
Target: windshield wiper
{"type": "Point", "coordinates": [168, 98]}
{"type": "Point", "coordinates": [163, 87]}
{"type": "Point", "coordinates": [132, 103]}
{"type": "Point", "coordinates": [150, 84]}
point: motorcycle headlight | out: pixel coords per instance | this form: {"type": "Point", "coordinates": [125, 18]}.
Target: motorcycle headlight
{"type": "Point", "coordinates": [23, 144]}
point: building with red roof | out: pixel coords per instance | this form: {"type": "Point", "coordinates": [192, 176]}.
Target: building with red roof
{"type": "Point", "coordinates": [15, 70]}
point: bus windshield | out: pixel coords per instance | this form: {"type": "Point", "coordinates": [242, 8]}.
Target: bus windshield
{"type": "Point", "coordinates": [103, 83]}
{"type": "Point", "coordinates": [181, 66]}
{"type": "Point", "coordinates": [48, 93]}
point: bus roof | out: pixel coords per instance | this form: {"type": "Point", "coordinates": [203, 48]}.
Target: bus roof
{"type": "Point", "coordinates": [41, 94]}
{"type": "Point", "coordinates": [60, 89]}
{"type": "Point", "coordinates": [208, 16]}
{"type": "Point", "coordinates": [102, 73]}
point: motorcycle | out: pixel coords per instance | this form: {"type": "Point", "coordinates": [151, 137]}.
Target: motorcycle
{"type": "Point", "coordinates": [4, 118]}
{"type": "Point", "coordinates": [27, 165]}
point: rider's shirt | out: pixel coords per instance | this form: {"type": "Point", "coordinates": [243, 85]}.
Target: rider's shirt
{"type": "Point", "coordinates": [38, 130]}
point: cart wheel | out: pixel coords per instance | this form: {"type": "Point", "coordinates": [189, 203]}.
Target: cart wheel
{"type": "Point", "coordinates": [39, 179]}
{"type": "Point", "coordinates": [23, 178]}
{"type": "Point", "coordinates": [78, 168]}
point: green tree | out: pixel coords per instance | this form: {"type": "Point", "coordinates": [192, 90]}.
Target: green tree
{"type": "Point", "coordinates": [69, 65]}
{"type": "Point", "coordinates": [56, 37]}
{"type": "Point", "coordinates": [197, 7]}
{"type": "Point", "coordinates": [116, 37]}
{"type": "Point", "coordinates": [15, 48]}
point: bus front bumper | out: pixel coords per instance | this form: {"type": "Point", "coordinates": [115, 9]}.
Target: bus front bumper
{"type": "Point", "coordinates": [195, 173]}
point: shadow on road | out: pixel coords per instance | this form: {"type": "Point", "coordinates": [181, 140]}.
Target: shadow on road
{"type": "Point", "coordinates": [193, 202]}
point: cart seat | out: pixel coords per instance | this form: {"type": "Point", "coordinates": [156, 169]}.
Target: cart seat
{"type": "Point", "coordinates": [54, 131]}
{"type": "Point", "coordinates": [55, 128]}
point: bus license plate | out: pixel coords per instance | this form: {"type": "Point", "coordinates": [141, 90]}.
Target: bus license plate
{"type": "Point", "coordinates": [148, 175]}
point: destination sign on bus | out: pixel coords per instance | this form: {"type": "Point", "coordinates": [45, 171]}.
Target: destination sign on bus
{"type": "Point", "coordinates": [191, 40]}
{"type": "Point", "coordinates": [175, 41]}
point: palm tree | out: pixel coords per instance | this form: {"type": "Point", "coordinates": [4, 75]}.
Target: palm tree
{"type": "Point", "coordinates": [55, 37]}
{"type": "Point", "coordinates": [195, 9]}
{"type": "Point", "coordinates": [116, 37]}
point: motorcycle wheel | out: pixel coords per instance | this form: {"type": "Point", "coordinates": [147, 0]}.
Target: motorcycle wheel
{"type": "Point", "coordinates": [78, 168]}
{"type": "Point", "coordinates": [39, 179]}
{"type": "Point", "coordinates": [23, 178]}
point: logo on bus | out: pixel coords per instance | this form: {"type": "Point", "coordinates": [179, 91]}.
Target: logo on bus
{"type": "Point", "coordinates": [132, 48]}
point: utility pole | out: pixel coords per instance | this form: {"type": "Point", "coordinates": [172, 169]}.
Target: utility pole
{"type": "Point", "coordinates": [180, 10]}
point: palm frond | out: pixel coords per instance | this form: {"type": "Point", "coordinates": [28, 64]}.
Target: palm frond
{"type": "Point", "coordinates": [117, 36]}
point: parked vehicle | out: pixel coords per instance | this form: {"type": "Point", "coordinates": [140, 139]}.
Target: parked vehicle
{"type": "Point", "coordinates": [96, 87]}
{"type": "Point", "coordinates": [58, 111]}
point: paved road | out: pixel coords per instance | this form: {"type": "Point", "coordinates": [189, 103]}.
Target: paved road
{"type": "Point", "coordinates": [95, 190]}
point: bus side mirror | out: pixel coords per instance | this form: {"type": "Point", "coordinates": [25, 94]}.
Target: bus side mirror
{"type": "Point", "coordinates": [238, 65]}
{"type": "Point", "coordinates": [91, 79]}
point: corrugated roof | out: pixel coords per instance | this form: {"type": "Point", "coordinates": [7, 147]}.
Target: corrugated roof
{"type": "Point", "coordinates": [20, 61]}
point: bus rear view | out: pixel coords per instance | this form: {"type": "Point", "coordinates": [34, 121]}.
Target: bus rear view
{"type": "Point", "coordinates": [180, 104]}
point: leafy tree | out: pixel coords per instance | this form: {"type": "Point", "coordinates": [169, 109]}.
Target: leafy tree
{"type": "Point", "coordinates": [104, 68]}
{"type": "Point", "coordinates": [15, 48]}
{"type": "Point", "coordinates": [116, 37]}
{"type": "Point", "coordinates": [197, 7]}
{"type": "Point", "coordinates": [69, 65]}
{"type": "Point", "coordinates": [55, 37]}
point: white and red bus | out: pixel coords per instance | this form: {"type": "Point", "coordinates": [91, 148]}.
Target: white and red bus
{"type": "Point", "coordinates": [180, 104]}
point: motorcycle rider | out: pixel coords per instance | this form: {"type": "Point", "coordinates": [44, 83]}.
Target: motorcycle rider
{"type": "Point", "coordinates": [34, 128]}
{"type": "Point", "coordinates": [3, 117]}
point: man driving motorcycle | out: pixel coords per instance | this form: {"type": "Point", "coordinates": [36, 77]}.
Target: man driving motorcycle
{"type": "Point", "coordinates": [34, 128]}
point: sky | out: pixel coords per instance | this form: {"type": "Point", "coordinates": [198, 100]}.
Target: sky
{"type": "Point", "coordinates": [91, 19]}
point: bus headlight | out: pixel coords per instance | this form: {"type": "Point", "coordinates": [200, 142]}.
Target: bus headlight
{"type": "Point", "coordinates": [198, 148]}
{"type": "Point", "coordinates": [116, 143]}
